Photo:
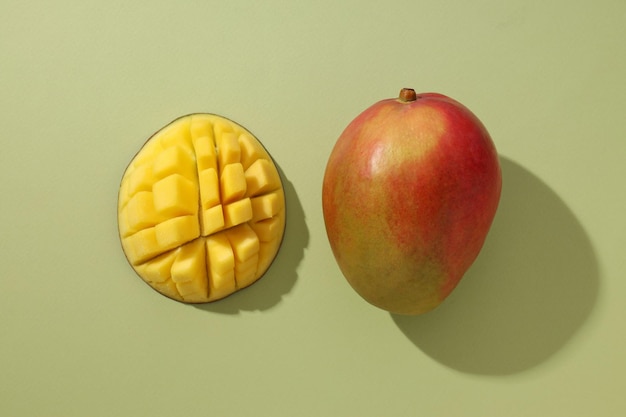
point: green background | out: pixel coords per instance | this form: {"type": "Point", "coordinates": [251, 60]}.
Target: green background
{"type": "Point", "coordinates": [536, 328]}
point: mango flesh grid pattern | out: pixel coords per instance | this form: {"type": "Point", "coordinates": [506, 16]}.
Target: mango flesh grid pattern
{"type": "Point", "coordinates": [201, 209]}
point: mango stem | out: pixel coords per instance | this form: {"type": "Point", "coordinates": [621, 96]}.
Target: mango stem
{"type": "Point", "coordinates": [407, 95]}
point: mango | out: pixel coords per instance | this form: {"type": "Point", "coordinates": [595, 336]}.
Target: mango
{"type": "Point", "coordinates": [410, 190]}
{"type": "Point", "coordinates": [201, 209]}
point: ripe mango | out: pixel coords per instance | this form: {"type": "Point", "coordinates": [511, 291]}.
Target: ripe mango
{"type": "Point", "coordinates": [201, 209]}
{"type": "Point", "coordinates": [409, 194]}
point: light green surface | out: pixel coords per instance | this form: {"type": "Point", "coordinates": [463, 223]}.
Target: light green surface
{"type": "Point", "coordinates": [535, 329]}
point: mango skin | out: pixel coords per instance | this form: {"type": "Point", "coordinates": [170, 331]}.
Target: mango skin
{"type": "Point", "coordinates": [409, 194]}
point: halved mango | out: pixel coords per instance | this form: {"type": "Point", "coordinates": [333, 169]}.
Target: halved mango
{"type": "Point", "coordinates": [201, 209]}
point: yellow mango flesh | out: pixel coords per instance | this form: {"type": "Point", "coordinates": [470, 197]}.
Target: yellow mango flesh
{"type": "Point", "coordinates": [201, 209]}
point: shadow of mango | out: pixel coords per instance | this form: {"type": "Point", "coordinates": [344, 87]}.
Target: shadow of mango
{"type": "Point", "coordinates": [532, 286]}
{"type": "Point", "coordinates": [282, 273]}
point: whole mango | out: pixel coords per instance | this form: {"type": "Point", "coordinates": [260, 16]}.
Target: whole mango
{"type": "Point", "coordinates": [409, 194]}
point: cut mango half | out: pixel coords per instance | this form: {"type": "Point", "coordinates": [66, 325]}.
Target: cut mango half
{"type": "Point", "coordinates": [201, 209]}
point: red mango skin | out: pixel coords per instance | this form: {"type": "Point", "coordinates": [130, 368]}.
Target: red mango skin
{"type": "Point", "coordinates": [409, 194]}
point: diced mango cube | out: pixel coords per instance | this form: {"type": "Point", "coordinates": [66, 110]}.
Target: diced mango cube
{"type": "Point", "coordinates": [146, 154]}
{"type": "Point", "coordinates": [141, 179]}
{"type": "Point", "coordinates": [219, 254]}
{"type": "Point", "coordinates": [189, 271]}
{"type": "Point", "coordinates": [200, 126]}
{"type": "Point", "coordinates": [267, 205]}
{"type": "Point", "coordinates": [228, 151]}
{"type": "Point", "coordinates": [167, 288]}
{"type": "Point", "coordinates": [204, 148]}
{"type": "Point", "coordinates": [174, 196]}
{"type": "Point", "coordinates": [174, 160]}
{"type": "Point", "coordinates": [140, 212]}
{"type": "Point", "coordinates": [237, 212]}
{"type": "Point", "coordinates": [209, 188]}
{"type": "Point", "coordinates": [221, 126]}
{"type": "Point", "coordinates": [247, 264]}
{"type": "Point", "coordinates": [268, 229]}
{"type": "Point", "coordinates": [261, 177]}
{"type": "Point", "coordinates": [233, 183]}
{"type": "Point", "coordinates": [246, 276]}
{"type": "Point", "coordinates": [159, 268]}
{"type": "Point", "coordinates": [177, 231]}
{"type": "Point", "coordinates": [244, 242]}
{"type": "Point", "coordinates": [221, 285]}
{"type": "Point", "coordinates": [212, 220]}
{"type": "Point", "coordinates": [190, 263]}
{"type": "Point", "coordinates": [251, 150]}
{"type": "Point", "coordinates": [177, 133]}
{"type": "Point", "coordinates": [122, 222]}
{"type": "Point", "coordinates": [195, 291]}
{"type": "Point", "coordinates": [142, 246]}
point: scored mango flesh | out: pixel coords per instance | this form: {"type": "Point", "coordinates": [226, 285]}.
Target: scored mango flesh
{"type": "Point", "coordinates": [201, 209]}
